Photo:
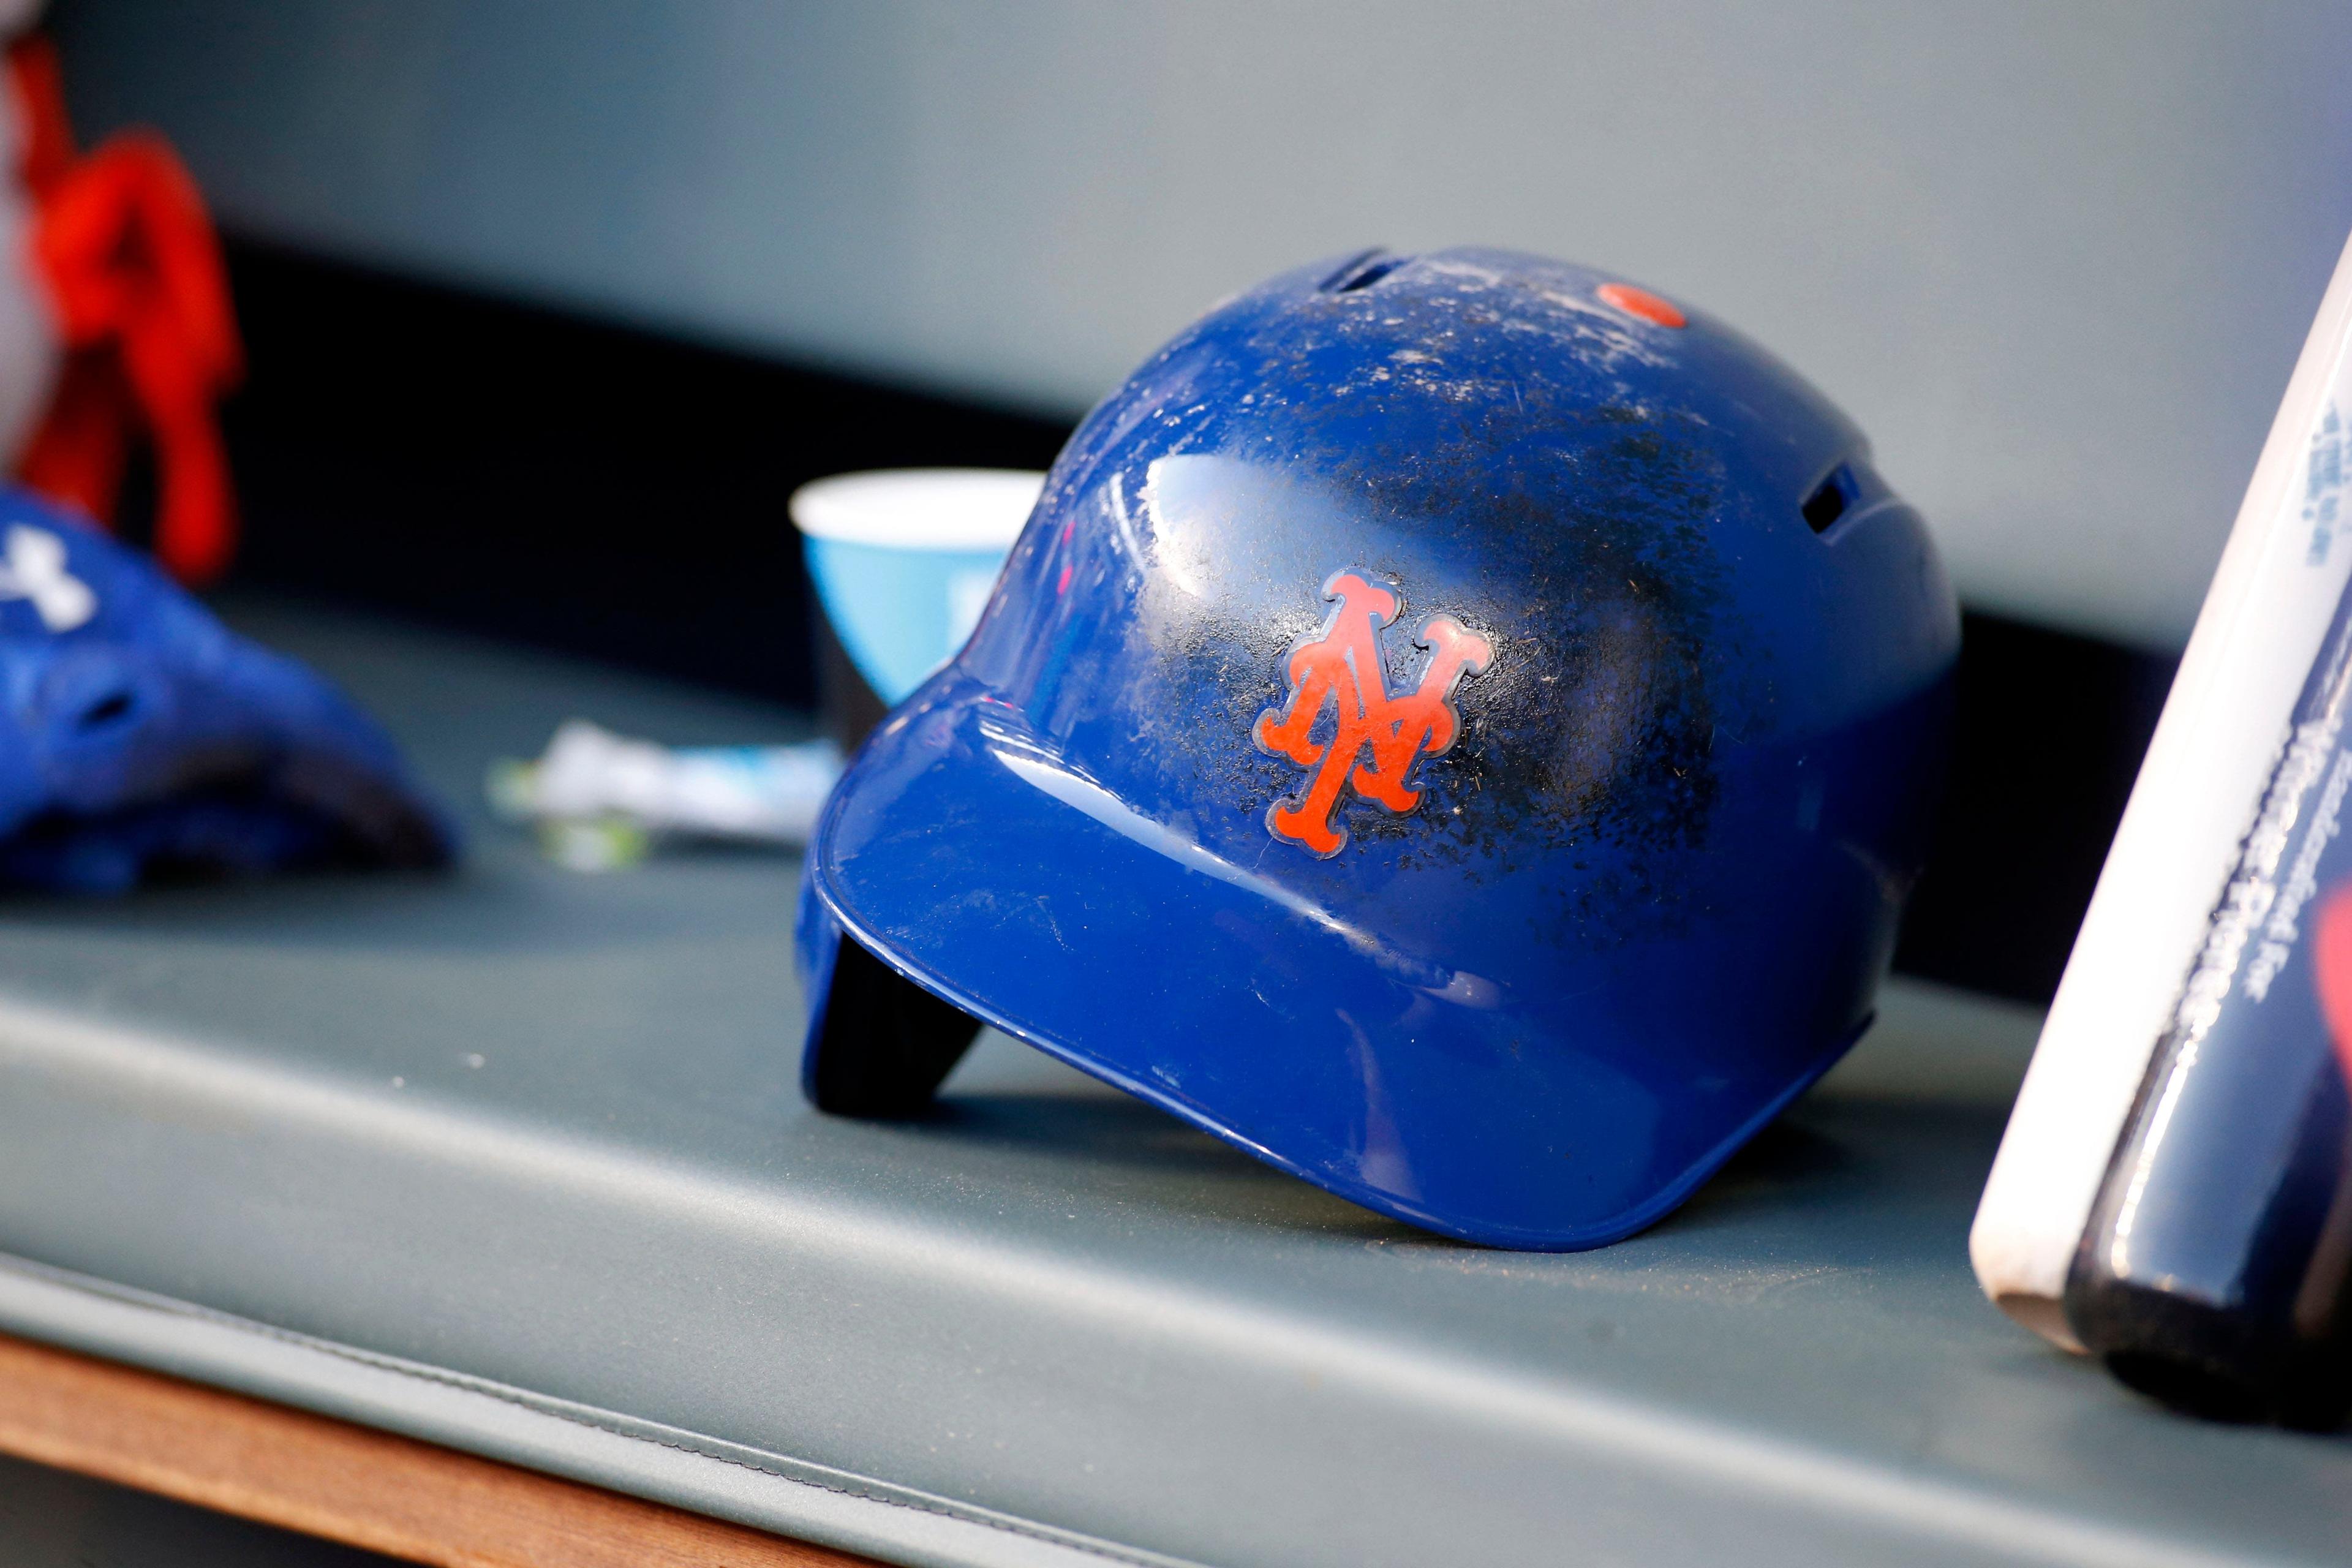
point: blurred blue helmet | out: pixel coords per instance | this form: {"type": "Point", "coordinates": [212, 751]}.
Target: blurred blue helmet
{"type": "Point", "coordinates": [1457, 727]}
{"type": "Point", "coordinates": [139, 736]}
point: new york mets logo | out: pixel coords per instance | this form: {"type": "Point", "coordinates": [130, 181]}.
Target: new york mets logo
{"type": "Point", "coordinates": [1375, 738]}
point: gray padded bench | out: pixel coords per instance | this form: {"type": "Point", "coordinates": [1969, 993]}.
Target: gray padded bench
{"type": "Point", "coordinates": [514, 1162]}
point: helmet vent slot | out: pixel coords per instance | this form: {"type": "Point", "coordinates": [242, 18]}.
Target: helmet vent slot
{"type": "Point", "coordinates": [1363, 271]}
{"type": "Point", "coordinates": [1830, 499]}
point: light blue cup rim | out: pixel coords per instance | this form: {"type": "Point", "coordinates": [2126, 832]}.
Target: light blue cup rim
{"type": "Point", "coordinates": [959, 510]}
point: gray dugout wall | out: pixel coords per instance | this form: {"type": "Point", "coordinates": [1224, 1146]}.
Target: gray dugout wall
{"type": "Point", "coordinates": [2056, 257]}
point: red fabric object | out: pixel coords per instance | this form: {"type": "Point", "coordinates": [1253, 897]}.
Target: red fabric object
{"type": "Point", "coordinates": [135, 273]}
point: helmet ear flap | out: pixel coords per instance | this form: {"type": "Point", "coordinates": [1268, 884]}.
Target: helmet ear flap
{"type": "Point", "coordinates": [879, 1044]}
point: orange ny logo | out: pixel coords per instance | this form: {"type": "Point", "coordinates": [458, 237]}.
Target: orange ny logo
{"type": "Point", "coordinates": [1340, 669]}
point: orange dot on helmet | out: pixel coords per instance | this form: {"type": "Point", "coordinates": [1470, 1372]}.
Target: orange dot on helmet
{"type": "Point", "coordinates": [1642, 303]}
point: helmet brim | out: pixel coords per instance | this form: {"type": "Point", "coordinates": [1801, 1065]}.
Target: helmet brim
{"type": "Point", "coordinates": [1120, 946]}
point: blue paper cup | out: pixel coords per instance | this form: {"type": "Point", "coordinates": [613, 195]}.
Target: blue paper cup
{"type": "Point", "coordinates": [904, 560]}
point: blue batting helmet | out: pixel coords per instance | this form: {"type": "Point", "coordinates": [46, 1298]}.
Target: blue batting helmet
{"type": "Point", "coordinates": [1457, 727]}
